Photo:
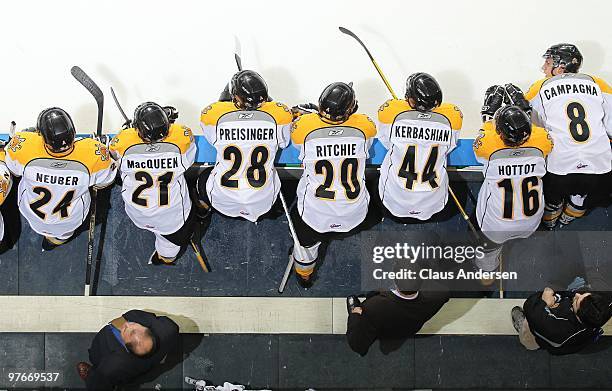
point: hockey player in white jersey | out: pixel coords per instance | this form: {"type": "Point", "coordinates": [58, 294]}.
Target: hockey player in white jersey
{"type": "Point", "coordinates": [247, 132]}
{"type": "Point", "coordinates": [6, 182]}
{"type": "Point", "coordinates": [331, 196]}
{"type": "Point", "coordinates": [418, 132]}
{"type": "Point", "coordinates": [153, 157]}
{"type": "Point", "coordinates": [513, 153]}
{"type": "Point", "coordinates": [576, 109]}
{"type": "Point", "coordinates": [56, 173]}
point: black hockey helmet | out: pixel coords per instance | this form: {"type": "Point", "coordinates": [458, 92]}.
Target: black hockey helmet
{"type": "Point", "coordinates": [513, 125]}
{"type": "Point", "coordinates": [425, 91]}
{"type": "Point", "coordinates": [57, 129]}
{"type": "Point", "coordinates": [249, 90]}
{"type": "Point", "coordinates": [566, 55]}
{"type": "Point", "coordinates": [337, 102]}
{"type": "Point", "coordinates": [151, 121]}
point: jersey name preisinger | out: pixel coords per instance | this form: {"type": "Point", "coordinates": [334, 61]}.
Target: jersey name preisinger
{"type": "Point", "coordinates": [335, 150]}
{"type": "Point", "coordinates": [516, 169]}
{"type": "Point", "coordinates": [561, 89]}
{"type": "Point", "coordinates": [57, 180]}
{"type": "Point", "coordinates": [154, 164]}
{"type": "Point", "coordinates": [245, 134]}
{"type": "Point", "coordinates": [420, 133]}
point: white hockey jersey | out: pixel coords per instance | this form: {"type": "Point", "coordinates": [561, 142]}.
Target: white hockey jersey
{"type": "Point", "coordinates": [576, 109]}
{"type": "Point", "coordinates": [511, 202]}
{"type": "Point", "coordinates": [54, 189]}
{"type": "Point", "coordinates": [154, 190]}
{"type": "Point", "coordinates": [332, 195]}
{"type": "Point", "coordinates": [6, 183]}
{"type": "Point", "coordinates": [244, 182]}
{"type": "Point", "coordinates": [413, 180]}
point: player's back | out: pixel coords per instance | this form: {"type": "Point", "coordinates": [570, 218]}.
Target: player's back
{"type": "Point", "coordinates": [331, 193]}
{"type": "Point", "coordinates": [54, 189]}
{"type": "Point", "coordinates": [577, 111]}
{"type": "Point", "coordinates": [510, 201]}
{"type": "Point", "coordinates": [154, 188]}
{"type": "Point", "coordinates": [413, 179]}
{"type": "Point", "coordinates": [244, 182]}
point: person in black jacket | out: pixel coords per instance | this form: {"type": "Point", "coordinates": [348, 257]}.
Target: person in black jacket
{"type": "Point", "coordinates": [395, 314]}
{"type": "Point", "coordinates": [561, 323]}
{"type": "Point", "coordinates": [128, 348]}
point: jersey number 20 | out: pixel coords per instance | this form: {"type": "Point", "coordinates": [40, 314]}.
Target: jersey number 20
{"type": "Point", "coordinates": [348, 178]}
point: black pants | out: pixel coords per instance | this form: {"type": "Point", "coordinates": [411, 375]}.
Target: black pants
{"type": "Point", "coordinates": [183, 235]}
{"type": "Point", "coordinates": [558, 188]}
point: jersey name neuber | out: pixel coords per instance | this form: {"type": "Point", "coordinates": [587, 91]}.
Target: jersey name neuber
{"type": "Point", "coordinates": [57, 180]}
{"type": "Point", "coordinates": [516, 169]}
{"type": "Point", "coordinates": [154, 164]}
{"type": "Point", "coordinates": [561, 89]}
{"type": "Point", "coordinates": [244, 134]}
{"type": "Point", "coordinates": [420, 133]}
{"type": "Point", "coordinates": [334, 150]}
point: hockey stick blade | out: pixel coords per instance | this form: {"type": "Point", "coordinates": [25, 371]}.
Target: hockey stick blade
{"type": "Point", "coordinates": [346, 31]}
{"type": "Point", "coordinates": [125, 117]}
{"type": "Point", "coordinates": [94, 90]}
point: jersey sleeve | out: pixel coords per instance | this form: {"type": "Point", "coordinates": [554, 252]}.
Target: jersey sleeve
{"type": "Point", "coordinates": [533, 96]}
{"type": "Point", "coordinates": [606, 91]}
{"type": "Point", "coordinates": [15, 151]}
{"type": "Point", "coordinates": [483, 144]}
{"type": "Point", "coordinates": [299, 130]}
{"type": "Point", "coordinates": [283, 117]}
{"type": "Point", "coordinates": [188, 153]}
{"type": "Point", "coordinates": [208, 121]}
{"type": "Point", "coordinates": [104, 168]}
{"type": "Point", "coordinates": [386, 116]}
{"type": "Point", "coordinates": [544, 141]}
{"type": "Point", "coordinates": [6, 180]}
{"type": "Point", "coordinates": [367, 126]}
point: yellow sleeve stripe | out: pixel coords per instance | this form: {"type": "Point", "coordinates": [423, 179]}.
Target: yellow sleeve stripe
{"type": "Point", "coordinates": [605, 87]}
{"type": "Point", "coordinates": [534, 89]}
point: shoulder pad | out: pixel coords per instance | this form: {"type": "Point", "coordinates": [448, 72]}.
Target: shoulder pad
{"type": "Point", "coordinates": [281, 113]}
{"type": "Point", "coordinates": [211, 113]}
{"type": "Point", "coordinates": [391, 108]}
{"type": "Point", "coordinates": [453, 113]}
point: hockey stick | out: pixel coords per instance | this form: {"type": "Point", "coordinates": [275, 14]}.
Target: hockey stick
{"type": "Point", "coordinates": [382, 75]}
{"type": "Point", "coordinates": [128, 121]}
{"type": "Point", "coordinates": [12, 129]}
{"type": "Point", "coordinates": [296, 242]}
{"type": "Point", "coordinates": [95, 91]}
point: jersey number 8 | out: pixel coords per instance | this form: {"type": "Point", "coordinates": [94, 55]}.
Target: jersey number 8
{"type": "Point", "coordinates": [578, 127]}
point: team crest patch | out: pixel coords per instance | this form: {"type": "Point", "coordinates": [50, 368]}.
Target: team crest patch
{"type": "Point", "coordinates": [16, 143]}
{"type": "Point", "coordinates": [4, 185]}
{"type": "Point", "coordinates": [102, 151]}
{"type": "Point", "coordinates": [206, 109]}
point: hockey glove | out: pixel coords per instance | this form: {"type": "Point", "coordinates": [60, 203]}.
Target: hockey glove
{"type": "Point", "coordinates": [494, 98]}
{"type": "Point", "coordinates": [514, 96]}
{"type": "Point", "coordinates": [304, 108]}
{"type": "Point", "coordinates": [172, 113]}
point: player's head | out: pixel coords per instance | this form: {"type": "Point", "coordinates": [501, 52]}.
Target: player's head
{"type": "Point", "coordinates": [423, 92]}
{"type": "Point", "coordinates": [249, 90]}
{"type": "Point", "coordinates": [151, 121]}
{"type": "Point", "coordinates": [561, 58]}
{"type": "Point", "coordinates": [138, 339]}
{"type": "Point", "coordinates": [592, 309]}
{"type": "Point", "coordinates": [513, 125]}
{"type": "Point", "coordinates": [337, 102]}
{"type": "Point", "coordinates": [57, 129]}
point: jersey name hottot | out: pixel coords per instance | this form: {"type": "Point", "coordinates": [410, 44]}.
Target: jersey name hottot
{"type": "Point", "coordinates": [516, 169]}
{"type": "Point", "coordinates": [154, 164]}
{"type": "Point", "coordinates": [422, 133]}
{"type": "Point", "coordinates": [57, 180]}
{"type": "Point", "coordinates": [337, 150]}
{"type": "Point", "coordinates": [560, 89]}
{"type": "Point", "coordinates": [245, 134]}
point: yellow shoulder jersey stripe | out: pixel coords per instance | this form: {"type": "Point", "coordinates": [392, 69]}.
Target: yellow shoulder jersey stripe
{"type": "Point", "coordinates": [389, 110]}
{"type": "Point", "coordinates": [489, 141]}
{"type": "Point", "coordinates": [281, 113]}
{"type": "Point", "coordinates": [211, 113]}
{"type": "Point", "coordinates": [605, 87]}
{"type": "Point", "coordinates": [535, 89]}
{"type": "Point", "coordinates": [125, 139]}
{"type": "Point", "coordinates": [27, 146]}
{"type": "Point", "coordinates": [307, 123]}
{"type": "Point", "coordinates": [179, 135]}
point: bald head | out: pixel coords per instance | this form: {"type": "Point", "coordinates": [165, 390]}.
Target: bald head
{"type": "Point", "coordinates": [138, 339]}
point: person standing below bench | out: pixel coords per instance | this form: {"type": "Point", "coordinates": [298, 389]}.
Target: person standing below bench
{"type": "Point", "coordinates": [561, 323]}
{"type": "Point", "coordinates": [396, 314]}
{"type": "Point", "coordinates": [128, 348]}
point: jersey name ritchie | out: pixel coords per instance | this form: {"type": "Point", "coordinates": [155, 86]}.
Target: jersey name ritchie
{"type": "Point", "coordinates": [420, 133]}
{"type": "Point", "coordinates": [570, 89]}
{"type": "Point", "coordinates": [334, 150]}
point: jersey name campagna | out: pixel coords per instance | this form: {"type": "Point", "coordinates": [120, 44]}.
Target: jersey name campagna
{"type": "Point", "coordinates": [332, 196]}
{"type": "Point", "coordinates": [511, 202]}
{"type": "Point", "coordinates": [53, 193]}
{"type": "Point", "coordinates": [577, 111]}
{"type": "Point", "coordinates": [244, 182]}
{"type": "Point", "coordinates": [154, 189]}
{"type": "Point", "coordinates": [413, 179]}
{"type": "Point", "coordinates": [6, 183]}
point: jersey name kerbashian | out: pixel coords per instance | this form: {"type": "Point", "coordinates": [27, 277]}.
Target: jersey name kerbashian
{"type": "Point", "coordinates": [154, 191]}
{"type": "Point", "coordinates": [332, 196]}
{"type": "Point", "coordinates": [53, 194]}
{"type": "Point", "coordinates": [577, 111]}
{"type": "Point", "coordinates": [244, 182]}
{"type": "Point", "coordinates": [510, 201]}
{"type": "Point", "coordinates": [6, 183]}
{"type": "Point", "coordinates": [413, 179]}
